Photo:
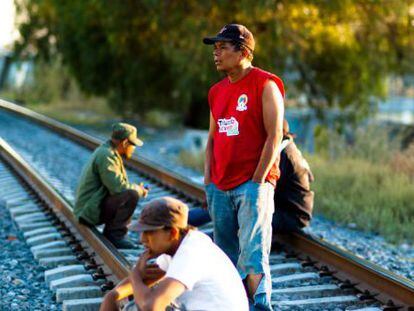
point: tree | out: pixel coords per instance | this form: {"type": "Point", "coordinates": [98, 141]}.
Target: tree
{"type": "Point", "coordinates": [148, 54]}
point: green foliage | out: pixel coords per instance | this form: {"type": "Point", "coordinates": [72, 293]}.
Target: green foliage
{"type": "Point", "coordinates": [148, 54]}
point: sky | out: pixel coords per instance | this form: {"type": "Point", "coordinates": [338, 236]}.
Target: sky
{"type": "Point", "coordinates": [7, 30]}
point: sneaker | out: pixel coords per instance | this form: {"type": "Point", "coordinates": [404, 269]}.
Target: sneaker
{"type": "Point", "coordinates": [124, 243]}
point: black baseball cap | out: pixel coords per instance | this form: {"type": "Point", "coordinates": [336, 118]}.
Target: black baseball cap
{"type": "Point", "coordinates": [233, 32]}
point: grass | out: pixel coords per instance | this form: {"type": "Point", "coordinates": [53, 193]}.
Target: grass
{"type": "Point", "coordinates": [92, 114]}
{"type": "Point", "coordinates": [192, 160]}
{"type": "Point", "coordinates": [373, 196]}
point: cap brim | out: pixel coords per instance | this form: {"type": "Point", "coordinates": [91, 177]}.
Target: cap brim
{"type": "Point", "coordinates": [212, 40]}
{"type": "Point", "coordinates": [139, 227]}
{"type": "Point", "coordinates": [136, 142]}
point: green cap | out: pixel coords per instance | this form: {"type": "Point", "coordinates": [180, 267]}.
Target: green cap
{"type": "Point", "coordinates": [126, 131]}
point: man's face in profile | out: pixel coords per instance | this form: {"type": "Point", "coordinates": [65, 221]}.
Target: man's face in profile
{"type": "Point", "coordinates": [225, 56]}
{"type": "Point", "coordinates": [157, 241]}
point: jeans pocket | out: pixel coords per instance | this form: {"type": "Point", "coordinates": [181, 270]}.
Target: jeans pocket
{"type": "Point", "coordinates": [255, 184]}
{"type": "Point", "coordinates": [208, 189]}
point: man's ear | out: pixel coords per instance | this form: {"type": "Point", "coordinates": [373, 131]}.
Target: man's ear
{"type": "Point", "coordinates": [175, 234]}
{"type": "Point", "coordinates": [245, 53]}
{"type": "Point", "coordinates": [125, 143]}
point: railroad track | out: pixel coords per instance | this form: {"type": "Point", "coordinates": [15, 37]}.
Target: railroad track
{"type": "Point", "coordinates": [307, 273]}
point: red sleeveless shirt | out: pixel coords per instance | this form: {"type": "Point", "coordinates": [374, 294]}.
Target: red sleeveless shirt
{"type": "Point", "coordinates": [240, 134]}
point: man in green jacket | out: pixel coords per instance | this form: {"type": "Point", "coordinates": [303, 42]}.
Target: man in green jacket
{"type": "Point", "coordinates": [104, 194]}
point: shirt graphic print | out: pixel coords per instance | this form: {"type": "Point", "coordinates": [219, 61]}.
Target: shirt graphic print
{"type": "Point", "coordinates": [229, 126]}
{"type": "Point", "coordinates": [242, 103]}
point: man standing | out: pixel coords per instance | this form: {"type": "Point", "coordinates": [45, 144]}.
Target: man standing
{"type": "Point", "coordinates": [293, 196]}
{"type": "Point", "coordinates": [104, 194]}
{"type": "Point", "coordinates": [246, 117]}
{"type": "Point", "coordinates": [199, 276]}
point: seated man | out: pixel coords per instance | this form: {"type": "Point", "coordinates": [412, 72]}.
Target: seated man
{"type": "Point", "coordinates": [199, 276]}
{"type": "Point", "coordinates": [293, 197]}
{"type": "Point", "coordinates": [104, 194]}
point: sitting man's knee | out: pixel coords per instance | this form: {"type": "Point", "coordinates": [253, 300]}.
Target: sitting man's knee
{"type": "Point", "coordinates": [132, 195]}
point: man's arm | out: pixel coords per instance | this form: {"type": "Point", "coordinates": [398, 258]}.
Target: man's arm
{"type": "Point", "coordinates": [158, 298]}
{"type": "Point", "coordinates": [209, 150]}
{"type": "Point", "coordinates": [150, 275]}
{"type": "Point", "coordinates": [112, 177]}
{"type": "Point", "coordinates": [273, 110]}
{"type": "Point", "coordinates": [110, 299]}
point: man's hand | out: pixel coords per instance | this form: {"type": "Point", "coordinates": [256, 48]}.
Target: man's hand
{"type": "Point", "coordinates": [139, 268]}
{"type": "Point", "coordinates": [152, 273]}
{"type": "Point", "coordinates": [142, 190]}
{"type": "Point", "coordinates": [149, 273]}
{"type": "Point", "coordinates": [259, 180]}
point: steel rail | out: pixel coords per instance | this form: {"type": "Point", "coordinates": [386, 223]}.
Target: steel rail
{"type": "Point", "coordinates": [386, 284]}
{"type": "Point", "coordinates": [144, 166]}
{"type": "Point", "coordinates": [377, 279]}
{"type": "Point", "coordinates": [114, 260]}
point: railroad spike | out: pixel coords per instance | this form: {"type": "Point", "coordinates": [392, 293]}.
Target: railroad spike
{"type": "Point", "coordinates": [347, 284]}
{"type": "Point", "coordinates": [73, 241]}
{"type": "Point", "coordinates": [77, 248]}
{"type": "Point", "coordinates": [92, 265]}
{"type": "Point", "coordinates": [366, 295]}
{"type": "Point", "coordinates": [308, 262]}
{"type": "Point", "coordinates": [83, 255]}
{"type": "Point", "coordinates": [107, 286]}
{"type": "Point", "coordinates": [99, 276]}
{"type": "Point", "coordinates": [390, 306]}
{"type": "Point", "coordinates": [56, 222]}
{"type": "Point", "coordinates": [324, 271]}
{"type": "Point", "coordinates": [65, 233]}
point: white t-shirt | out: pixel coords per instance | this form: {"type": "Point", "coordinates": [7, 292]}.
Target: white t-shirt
{"type": "Point", "coordinates": [211, 280]}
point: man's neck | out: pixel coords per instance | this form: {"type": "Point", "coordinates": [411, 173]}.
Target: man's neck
{"type": "Point", "coordinates": [239, 72]}
{"type": "Point", "coordinates": [173, 249]}
{"type": "Point", "coordinates": [117, 147]}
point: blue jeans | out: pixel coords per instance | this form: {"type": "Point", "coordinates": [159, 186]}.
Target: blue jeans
{"type": "Point", "coordinates": [283, 221]}
{"type": "Point", "coordinates": [242, 221]}
{"type": "Point", "coordinates": [198, 217]}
